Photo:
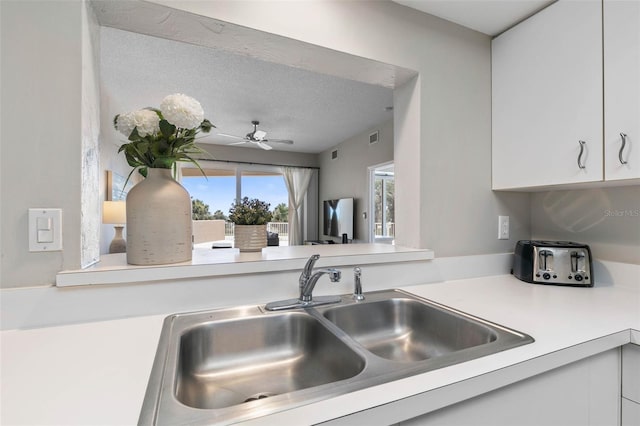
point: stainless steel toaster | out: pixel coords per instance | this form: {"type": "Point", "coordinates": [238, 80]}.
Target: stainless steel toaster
{"type": "Point", "coordinates": [553, 262]}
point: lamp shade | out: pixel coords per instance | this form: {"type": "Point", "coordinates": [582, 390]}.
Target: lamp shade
{"type": "Point", "coordinates": [114, 212]}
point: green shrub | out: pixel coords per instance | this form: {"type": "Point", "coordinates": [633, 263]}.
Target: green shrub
{"type": "Point", "coordinates": [250, 212]}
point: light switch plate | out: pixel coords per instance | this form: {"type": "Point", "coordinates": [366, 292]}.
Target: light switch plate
{"type": "Point", "coordinates": [45, 230]}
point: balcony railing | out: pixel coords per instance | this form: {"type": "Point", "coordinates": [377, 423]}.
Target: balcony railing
{"type": "Point", "coordinates": [391, 229]}
{"type": "Point", "coordinates": [280, 228]}
{"type": "Point", "coordinates": [228, 229]}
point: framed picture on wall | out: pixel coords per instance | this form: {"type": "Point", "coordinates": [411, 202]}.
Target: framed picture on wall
{"type": "Point", "coordinates": [116, 189]}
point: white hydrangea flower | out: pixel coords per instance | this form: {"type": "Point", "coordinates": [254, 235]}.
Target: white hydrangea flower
{"type": "Point", "coordinates": [182, 111]}
{"type": "Point", "coordinates": [147, 122]}
{"type": "Point", "coordinates": [125, 123]}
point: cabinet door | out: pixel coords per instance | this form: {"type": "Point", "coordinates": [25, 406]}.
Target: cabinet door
{"type": "Point", "coordinates": [630, 413]}
{"type": "Point", "coordinates": [622, 89]}
{"type": "Point", "coordinates": [547, 96]}
{"type": "Point", "coordinates": [631, 372]}
{"type": "Point", "coordinates": [586, 392]}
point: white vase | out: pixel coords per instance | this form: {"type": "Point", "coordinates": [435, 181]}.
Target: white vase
{"type": "Point", "coordinates": [250, 237]}
{"type": "Point", "coordinates": [158, 221]}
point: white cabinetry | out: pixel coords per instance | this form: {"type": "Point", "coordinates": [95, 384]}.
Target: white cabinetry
{"type": "Point", "coordinates": [586, 392]}
{"type": "Point", "coordinates": [583, 393]}
{"type": "Point", "coordinates": [547, 96]}
{"type": "Point", "coordinates": [622, 89]}
{"type": "Point", "coordinates": [630, 385]}
{"type": "Point", "coordinates": [548, 102]}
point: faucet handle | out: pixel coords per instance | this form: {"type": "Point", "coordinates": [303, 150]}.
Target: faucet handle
{"type": "Point", "coordinates": [311, 262]}
{"type": "Point", "coordinates": [308, 268]}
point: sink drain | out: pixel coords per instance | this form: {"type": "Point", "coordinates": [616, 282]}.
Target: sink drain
{"type": "Point", "coordinates": [260, 395]}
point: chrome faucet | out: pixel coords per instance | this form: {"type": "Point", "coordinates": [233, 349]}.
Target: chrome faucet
{"type": "Point", "coordinates": [308, 278]}
{"type": "Point", "coordinates": [307, 282]}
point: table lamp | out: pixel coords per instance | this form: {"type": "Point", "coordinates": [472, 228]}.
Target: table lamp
{"type": "Point", "coordinates": [115, 212]}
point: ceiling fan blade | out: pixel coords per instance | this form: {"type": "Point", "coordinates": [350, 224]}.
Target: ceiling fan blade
{"type": "Point", "coordinates": [263, 146]}
{"type": "Point", "coordinates": [230, 136]}
{"type": "Point", "coordinates": [237, 143]}
{"type": "Point", "coordinates": [287, 141]}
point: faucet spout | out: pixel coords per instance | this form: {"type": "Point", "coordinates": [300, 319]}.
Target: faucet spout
{"type": "Point", "coordinates": [306, 290]}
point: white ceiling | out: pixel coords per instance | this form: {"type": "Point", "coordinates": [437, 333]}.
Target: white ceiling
{"type": "Point", "coordinates": [316, 111]}
{"type": "Point", "coordinates": [490, 17]}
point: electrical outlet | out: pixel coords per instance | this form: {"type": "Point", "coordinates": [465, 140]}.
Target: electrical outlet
{"type": "Point", "coordinates": [503, 227]}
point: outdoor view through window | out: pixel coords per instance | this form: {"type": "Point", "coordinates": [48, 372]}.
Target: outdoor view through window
{"type": "Point", "coordinates": [384, 193]}
{"type": "Point", "coordinates": [211, 197]}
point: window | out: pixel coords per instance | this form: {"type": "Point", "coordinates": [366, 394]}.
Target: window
{"type": "Point", "coordinates": [382, 195]}
{"type": "Point", "coordinates": [213, 195]}
{"type": "Point", "coordinates": [266, 186]}
{"type": "Point", "coordinates": [217, 191]}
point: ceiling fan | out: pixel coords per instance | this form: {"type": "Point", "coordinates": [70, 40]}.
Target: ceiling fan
{"type": "Point", "coordinates": [257, 137]}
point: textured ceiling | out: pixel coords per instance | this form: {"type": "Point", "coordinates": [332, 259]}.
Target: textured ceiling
{"type": "Point", "coordinates": [316, 111]}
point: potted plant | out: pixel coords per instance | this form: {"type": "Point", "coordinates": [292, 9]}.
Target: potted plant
{"type": "Point", "coordinates": [159, 228]}
{"type": "Point", "coordinates": [250, 218]}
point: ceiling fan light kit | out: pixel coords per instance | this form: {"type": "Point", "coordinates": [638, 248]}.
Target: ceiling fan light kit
{"type": "Point", "coordinates": [257, 137]}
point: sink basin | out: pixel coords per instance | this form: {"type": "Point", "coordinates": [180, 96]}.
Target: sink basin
{"type": "Point", "coordinates": [408, 330]}
{"type": "Point", "coordinates": [232, 362]}
{"type": "Point", "coordinates": [226, 366]}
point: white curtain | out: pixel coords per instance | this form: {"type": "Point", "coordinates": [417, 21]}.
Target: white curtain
{"type": "Point", "coordinates": [297, 181]}
{"type": "Point", "coordinates": [177, 173]}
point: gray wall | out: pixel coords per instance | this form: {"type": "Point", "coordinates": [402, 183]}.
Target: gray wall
{"type": "Point", "coordinates": [41, 132]}
{"type": "Point", "coordinates": [607, 219]}
{"type": "Point", "coordinates": [347, 175]}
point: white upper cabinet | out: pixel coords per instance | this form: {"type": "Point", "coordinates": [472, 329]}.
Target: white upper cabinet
{"type": "Point", "coordinates": [622, 89]}
{"type": "Point", "coordinates": [547, 98]}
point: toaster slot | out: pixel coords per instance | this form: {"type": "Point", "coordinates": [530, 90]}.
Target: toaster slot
{"type": "Point", "coordinates": [577, 261]}
{"type": "Point", "coordinates": [546, 260]}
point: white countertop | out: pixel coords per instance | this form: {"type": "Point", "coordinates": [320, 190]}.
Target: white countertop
{"type": "Point", "coordinates": [113, 268]}
{"type": "Point", "coordinates": [96, 373]}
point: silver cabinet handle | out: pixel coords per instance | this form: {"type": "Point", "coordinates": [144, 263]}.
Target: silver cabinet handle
{"type": "Point", "coordinates": [582, 144]}
{"type": "Point", "coordinates": [624, 142]}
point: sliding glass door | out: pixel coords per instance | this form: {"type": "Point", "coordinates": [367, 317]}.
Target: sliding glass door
{"type": "Point", "coordinates": [382, 196]}
{"type": "Point", "coordinates": [213, 195]}
{"type": "Point", "coordinates": [269, 186]}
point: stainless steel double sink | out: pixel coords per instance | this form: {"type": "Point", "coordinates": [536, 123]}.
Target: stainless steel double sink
{"type": "Point", "coordinates": [225, 366]}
